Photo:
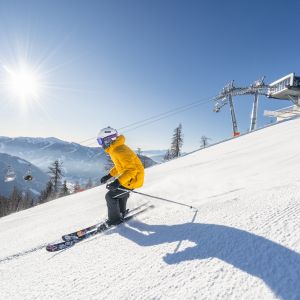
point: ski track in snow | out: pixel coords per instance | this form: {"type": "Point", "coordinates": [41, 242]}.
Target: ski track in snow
{"type": "Point", "coordinates": [243, 243]}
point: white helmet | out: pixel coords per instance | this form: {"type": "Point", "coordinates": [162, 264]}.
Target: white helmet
{"type": "Point", "coordinates": [106, 136]}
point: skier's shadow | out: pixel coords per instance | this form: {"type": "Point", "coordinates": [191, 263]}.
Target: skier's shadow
{"type": "Point", "coordinates": [277, 266]}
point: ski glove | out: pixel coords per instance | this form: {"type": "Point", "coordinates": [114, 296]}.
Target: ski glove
{"type": "Point", "coordinates": [105, 178]}
{"type": "Point", "coordinates": [114, 185]}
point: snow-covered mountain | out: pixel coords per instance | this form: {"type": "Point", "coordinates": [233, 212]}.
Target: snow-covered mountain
{"type": "Point", "coordinates": [156, 155]}
{"type": "Point", "coordinates": [242, 243]}
{"type": "Point", "coordinates": [79, 162]}
{"type": "Point", "coordinates": [20, 168]}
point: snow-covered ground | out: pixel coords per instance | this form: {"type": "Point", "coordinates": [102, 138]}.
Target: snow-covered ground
{"type": "Point", "coordinates": [243, 243]}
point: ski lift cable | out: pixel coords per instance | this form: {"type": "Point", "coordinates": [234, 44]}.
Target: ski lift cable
{"type": "Point", "coordinates": [165, 113]}
{"type": "Point", "coordinates": [161, 118]}
{"type": "Point", "coordinates": [167, 116]}
{"type": "Point", "coordinates": [157, 117]}
{"type": "Point", "coordinates": [156, 120]}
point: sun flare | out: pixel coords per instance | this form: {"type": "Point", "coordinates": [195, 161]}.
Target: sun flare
{"type": "Point", "coordinates": [23, 83]}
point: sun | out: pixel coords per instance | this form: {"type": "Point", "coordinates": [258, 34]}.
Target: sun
{"type": "Point", "coordinates": [23, 82]}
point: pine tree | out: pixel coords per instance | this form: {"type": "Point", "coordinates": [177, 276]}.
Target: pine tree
{"type": "Point", "coordinates": [4, 206]}
{"type": "Point", "coordinates": [48, 193]}
{"type": "Point", "coordinates": [64, 189]}
{"type": "Point", "coordinates": [56, 175]}
{"type": "Point", "coordinates": [167, 155]}
{"type": "Point", "coordinates": [177, 142]}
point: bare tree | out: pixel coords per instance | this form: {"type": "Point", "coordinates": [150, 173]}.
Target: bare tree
{"type": "Point", "coordinates": [204, 141]}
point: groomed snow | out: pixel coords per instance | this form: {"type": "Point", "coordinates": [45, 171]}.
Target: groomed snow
{"type": "Point", "coordinates": [243, 243]}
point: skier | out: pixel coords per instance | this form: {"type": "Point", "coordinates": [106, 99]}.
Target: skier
{"type": "Point", "coordinates": [128, 172]}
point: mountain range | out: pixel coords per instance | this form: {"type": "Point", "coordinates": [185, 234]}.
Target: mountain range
{"type": "Point", "coordinates": [79, 163]}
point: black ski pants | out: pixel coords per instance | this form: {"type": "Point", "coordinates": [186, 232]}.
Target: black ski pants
{"type": "Point", "coordinates": [116, 204]}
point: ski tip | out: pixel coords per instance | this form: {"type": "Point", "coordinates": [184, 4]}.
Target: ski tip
{"type": "Point", "coordinates": [51, 248]}
{"type": "Point", "coordinates": [59, 246]}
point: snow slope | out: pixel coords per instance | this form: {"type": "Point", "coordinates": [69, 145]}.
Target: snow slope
{"type": "Point", "coordinates": [243, 243]}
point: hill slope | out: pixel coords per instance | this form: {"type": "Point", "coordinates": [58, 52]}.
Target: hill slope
{"type": "Point", "coordinates": [242, 244]}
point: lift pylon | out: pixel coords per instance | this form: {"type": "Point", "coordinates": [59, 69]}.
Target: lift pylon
{"type": "Point", "coordinates": [229, 91]}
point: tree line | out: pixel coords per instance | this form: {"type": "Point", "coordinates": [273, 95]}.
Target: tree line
{"type": "Point", "coordinates": [15, 202]}
{"type": "Point", "coordinates": [55, 188]}
{"type": "Point", "coordinates": [177, 143]}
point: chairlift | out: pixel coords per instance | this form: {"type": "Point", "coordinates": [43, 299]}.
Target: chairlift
{"type": "Point", "coordinates": [10, 175]}
{"type": "Point", "coordinates": [28, 175]}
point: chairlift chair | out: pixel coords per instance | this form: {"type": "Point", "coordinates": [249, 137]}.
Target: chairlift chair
{"type": "Point", "coordinates": [10, 175]}
{"type": "Point", "coordinates": [28, 175]}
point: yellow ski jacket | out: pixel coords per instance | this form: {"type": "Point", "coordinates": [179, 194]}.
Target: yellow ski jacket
{"type": "Point", "coordinates": [127, 166]}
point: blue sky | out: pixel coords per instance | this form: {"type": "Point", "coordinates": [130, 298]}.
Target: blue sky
{"type": "Point", "coordinates": [117, 62]}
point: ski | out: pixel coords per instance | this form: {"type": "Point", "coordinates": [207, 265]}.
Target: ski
{"type": "Point", "coordinates": [81, 232]}
{"type": "Point", "coordinates": [102, 227]}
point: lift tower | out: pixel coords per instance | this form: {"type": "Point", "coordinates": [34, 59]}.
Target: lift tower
{"type": "Point", "coordinates": [224, 98]}
{"type": "Point", "coordinates": [229, 91]}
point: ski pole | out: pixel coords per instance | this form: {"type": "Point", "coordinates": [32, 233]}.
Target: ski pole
{"type": "Point", "coordinates": [159, 198]}
{"type": "Point", "coordinates": [118, 196]}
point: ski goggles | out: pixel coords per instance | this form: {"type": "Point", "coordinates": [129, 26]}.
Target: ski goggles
{"type": "Point", "coordinates": [106, 140]}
